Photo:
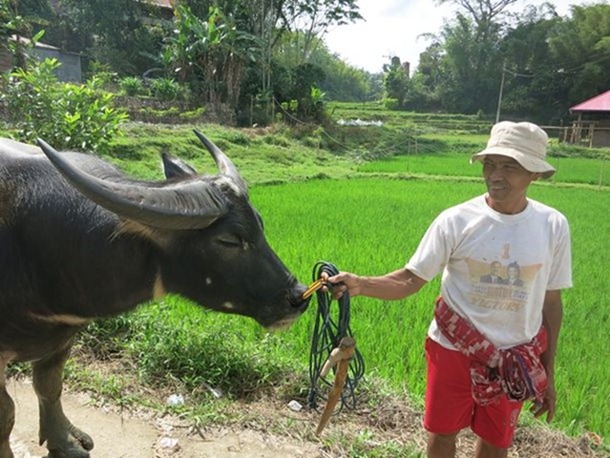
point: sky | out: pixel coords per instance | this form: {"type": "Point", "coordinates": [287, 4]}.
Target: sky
{"type": "Point", "coordinates": [392, 28]}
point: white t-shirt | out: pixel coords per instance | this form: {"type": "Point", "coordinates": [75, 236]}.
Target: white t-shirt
{"type": "Point", "coordinates": [477, 249]}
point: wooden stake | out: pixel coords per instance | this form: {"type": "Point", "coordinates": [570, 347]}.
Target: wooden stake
{"type": "Point", "coordinates": [340, 357]}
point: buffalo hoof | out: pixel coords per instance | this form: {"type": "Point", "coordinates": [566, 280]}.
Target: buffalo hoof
{"type": "Point", "coordinates": [77, 445]}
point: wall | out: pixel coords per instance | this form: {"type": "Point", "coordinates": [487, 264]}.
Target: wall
{"type": "Point", "coordinates": [70, 69]}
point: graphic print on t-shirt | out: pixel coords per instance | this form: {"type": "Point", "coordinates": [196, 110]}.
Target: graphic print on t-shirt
{"type": "Point", "coordinates": [501, 284]}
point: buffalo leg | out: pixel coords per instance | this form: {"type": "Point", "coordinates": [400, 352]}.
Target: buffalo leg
{"type": "Point", "coordinates": [63, 439]}
{"type": "Point", "coordinates": [7, 414]}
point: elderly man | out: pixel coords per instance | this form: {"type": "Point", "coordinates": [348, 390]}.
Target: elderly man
{"type": "Point", "coordinates": [491, 346]}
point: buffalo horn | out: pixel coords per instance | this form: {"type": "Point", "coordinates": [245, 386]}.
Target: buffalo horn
{"type": "Point", "coordinates": [192, 204]}
{"type": "Point", "coordinates": [225, 165]}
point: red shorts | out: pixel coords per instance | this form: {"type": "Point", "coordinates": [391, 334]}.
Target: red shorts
{"type": "Point", "coordinates": [450, 406]}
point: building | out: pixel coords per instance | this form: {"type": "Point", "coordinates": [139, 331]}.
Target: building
{"type": "Point", "coordinates": [593, 124]}
{"type": "Point", "coordinates": [70, 69]}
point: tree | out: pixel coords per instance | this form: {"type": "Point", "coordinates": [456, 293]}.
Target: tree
{"type": "Point", "coordinates": [482, 12]}
{"type": "Point", "coordinates": [396, 81]}
{"type": "Point", "coordinates": [581, 48]}
{"type": "Point", "coordinates": [70, 116]}
{"type": "Point", "coordinates": [427, 81]}
{"type": "Point", "coordinates": [534, 88]}
{"type": "Point", "coordinates": [123, 34]}
{"type": "Point", "coordinates": [210, 54]}
{"type": "Point", "coordinates": [271, 20]}
{"type": "Point", "coordinates": [342, 81]}
{"type": "Point", "coordinates": [313, 18]}
{"type": "Point", "coordinates": [466, 56]}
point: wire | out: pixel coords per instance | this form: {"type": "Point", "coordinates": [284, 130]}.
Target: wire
{"type": "Point", "coordinates": [410, 138]}
{"type": "Point", "coordinates": [328, 331]}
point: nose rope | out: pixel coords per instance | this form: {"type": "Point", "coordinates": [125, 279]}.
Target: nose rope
{"type": "Point", "coordinates": [332, 346]}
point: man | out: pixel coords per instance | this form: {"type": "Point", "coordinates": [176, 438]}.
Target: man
{"type": "Point", "coordinates": [494, 274]}
{"type": "Point", "coordinates": [483, 333]}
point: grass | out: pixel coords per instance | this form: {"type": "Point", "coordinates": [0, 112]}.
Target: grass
{"type": "Point", "coordinates": [360, 198]}
{"type": "Point", "coordinates": [376, 224]}
{"type": "Point", "coordinates": [371, 226]}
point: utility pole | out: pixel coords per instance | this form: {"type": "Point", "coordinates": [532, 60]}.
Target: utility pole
{"type": "Point", "coordinates": [501, 89]}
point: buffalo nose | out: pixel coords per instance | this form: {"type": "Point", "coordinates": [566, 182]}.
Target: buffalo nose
{"type": "Point", "coordinates": [297, 300]}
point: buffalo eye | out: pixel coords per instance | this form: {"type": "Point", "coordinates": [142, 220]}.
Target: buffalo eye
{"type": "Point", "coordinates": [233, 241]}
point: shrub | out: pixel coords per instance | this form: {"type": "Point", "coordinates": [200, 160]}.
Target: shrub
{"type": "Point", "coordinates": [132, 85]}
{"type": "Point", "coordinates": [165, 88]}
{"type": "Point", "coordinates": [67, 115]}
{"type": "Point", "coordinates": [391, 104]}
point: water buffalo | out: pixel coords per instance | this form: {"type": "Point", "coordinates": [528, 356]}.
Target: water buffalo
{"type": "Point", "coordinates": [79, 240]}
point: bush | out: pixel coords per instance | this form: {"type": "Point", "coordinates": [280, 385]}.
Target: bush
{"type": "Point", "coordinates": [165, 88]}
{"type": "Point", "coordinates": [132, 86]}
{"type": "Point", "coordinates": [391, 104]}
{"type": "Point", "coordinates": [67, 115]}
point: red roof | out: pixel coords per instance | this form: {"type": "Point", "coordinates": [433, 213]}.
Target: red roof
{"type": "Point", "coordinates": [600, 102]}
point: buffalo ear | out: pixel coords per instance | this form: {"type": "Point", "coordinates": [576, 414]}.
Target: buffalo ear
{"type": "Point", "coordinates": [176, 168]}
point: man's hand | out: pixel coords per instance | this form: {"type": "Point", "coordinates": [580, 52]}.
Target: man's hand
{"type": "Point", "coordinates": [548, 404]}
{"type": "Point", "coordinates": [341, 283]}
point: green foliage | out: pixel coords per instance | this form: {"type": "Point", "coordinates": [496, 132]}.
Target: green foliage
{"type": "Point", "coordinates": [160, 338]}
{"type": "Point", "coordinates": [6, 15]}
{"type": "Point", "coordinates": [12, 23]}
{"type": "Point", "coordinates": [342, 82]}
{"type": "Point", "coordinates": [132, 86]}
{"type": "Point", "coordinates": [192, 115]}
{"type": "Point", "coordinates": [305, 101]}
{"type": "Point", "coordinates": [209, 53]}
{"type": "Point", "coordinates": [166, 88]}
{"type": "Point", "coordinates": [68, 116]}
{"type": "Point", "coordinates": [151, 113]}
{"type": "Point", "coordinates": [548, 63]}
{"type": "Point", "coordinates": [127, 35]}
{"type": "Point", "coordinates": [396, 82]}
{"type": "Point", "coordinates": [391, 104]}
{"type": "Point", "coordinates": [365, 445]}
{"type": "Point", "coordinates": [581, 48]}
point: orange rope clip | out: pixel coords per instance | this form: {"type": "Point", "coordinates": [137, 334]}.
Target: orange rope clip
{"type": "Point", "coordinates": [316, 285]}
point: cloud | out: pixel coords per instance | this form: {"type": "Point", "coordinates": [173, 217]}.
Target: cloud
{"type": "Point", "coordinates": [393, 28]}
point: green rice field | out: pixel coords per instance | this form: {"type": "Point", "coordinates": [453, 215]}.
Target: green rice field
{"type": "Point", "coordinates": [368, 217]}
{"type": "Point", "coordinates": [593, 171]}
{"type": "Point", "coordinates": [370, 226]}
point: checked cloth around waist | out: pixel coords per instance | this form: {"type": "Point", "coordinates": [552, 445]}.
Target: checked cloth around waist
{"type": "Point", "coordinates": [516, 372]}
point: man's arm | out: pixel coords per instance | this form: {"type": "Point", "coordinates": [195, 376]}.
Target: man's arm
{"type": "Point", "coordinates": [552, 315]}
{"type": "Point", "coordinates": [392, 286]}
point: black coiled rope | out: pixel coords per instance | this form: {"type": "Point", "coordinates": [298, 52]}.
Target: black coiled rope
{"type": "Point", "coordinates": [330, 327]}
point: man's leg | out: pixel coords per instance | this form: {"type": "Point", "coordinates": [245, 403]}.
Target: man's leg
{"type": "Point", "coordinates": [449, 403]}
{"type": "Point", "coordinates": [441, 445]}
{"type": "Point", "coordinates": [486, 450]}
{"type": "Point", "coordinates": [495, 425]}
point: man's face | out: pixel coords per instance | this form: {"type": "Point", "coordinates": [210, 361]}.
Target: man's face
{"type": "Point", "coordinates": [507, 182]}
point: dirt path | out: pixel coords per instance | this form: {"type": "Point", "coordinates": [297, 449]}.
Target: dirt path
{"type": "Point", "coordinates": [121, 436]}
{"type": "Point", "coordinates": [146, 435]}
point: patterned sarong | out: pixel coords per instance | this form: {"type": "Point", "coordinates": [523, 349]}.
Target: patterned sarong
{"type": "Point", "coordinates": [516, 372]}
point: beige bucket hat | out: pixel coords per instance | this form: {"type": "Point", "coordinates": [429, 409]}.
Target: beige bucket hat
{"type": "Point", "coordinates": [523, 141]}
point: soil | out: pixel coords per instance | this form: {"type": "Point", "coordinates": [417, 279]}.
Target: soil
{"type": "Point", "coordinates": [139, 436]}
{"type": "Point", "coordinates": [273, 430]}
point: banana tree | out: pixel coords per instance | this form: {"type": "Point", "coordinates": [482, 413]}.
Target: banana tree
{"type": "Point", "coordinates": [209, 53]}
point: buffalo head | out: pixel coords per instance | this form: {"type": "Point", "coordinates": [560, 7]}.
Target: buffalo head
{"type": "Point", "coordinates": [207, 237]}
